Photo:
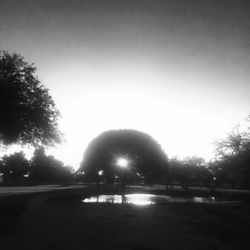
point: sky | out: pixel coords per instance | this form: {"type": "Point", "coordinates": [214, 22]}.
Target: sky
{"type": "Point", "coordinates": [177, 70]}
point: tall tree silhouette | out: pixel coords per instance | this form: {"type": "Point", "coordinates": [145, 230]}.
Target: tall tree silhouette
{"type": "Point", "coordinates": [27, 112]}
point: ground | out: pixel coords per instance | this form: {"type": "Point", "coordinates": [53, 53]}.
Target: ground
{"type": "Point", "coordinates": [59, 220]}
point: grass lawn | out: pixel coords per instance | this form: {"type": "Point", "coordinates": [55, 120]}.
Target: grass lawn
{"type": "Point", "coordinates": [59, 220]}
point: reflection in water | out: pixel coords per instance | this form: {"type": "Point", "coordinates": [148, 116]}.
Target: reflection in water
{"type": "Point", "coordinates": [149, 199]}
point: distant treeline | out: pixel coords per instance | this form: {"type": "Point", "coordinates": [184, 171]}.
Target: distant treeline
{"type": "Point", "coordinates": [16, 169]}
{"type": "Point", "coordinates": [230, 168]}
{"type": "Point", "coordinates": [150, 165]}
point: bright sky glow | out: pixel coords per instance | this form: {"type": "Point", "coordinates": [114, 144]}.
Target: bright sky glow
{"type": "Point", "coordinates": [184, 121]}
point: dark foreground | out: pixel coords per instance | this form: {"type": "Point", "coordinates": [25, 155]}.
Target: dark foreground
{"type": "Point", "coordinates": [59, 220]}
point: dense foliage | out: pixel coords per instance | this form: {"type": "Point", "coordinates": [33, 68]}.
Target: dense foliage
{"type": "Point", "coordinates": [27, 112]}
{"type": "Point", "coordinates": [46, 169]}
{"type": "Point", "coordinates": [144, 154]}
{"type": "Point", "coordinates": [191, 171]}
{"type": "Point", "coordinates": [14, 167]}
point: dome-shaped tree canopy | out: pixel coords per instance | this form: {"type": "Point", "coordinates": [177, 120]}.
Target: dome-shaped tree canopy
{"type": "Point", "coordinates": [143, 154]}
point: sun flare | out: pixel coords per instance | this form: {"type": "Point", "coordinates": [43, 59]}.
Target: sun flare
{"type": "Point", "coordinates": [122, 163]}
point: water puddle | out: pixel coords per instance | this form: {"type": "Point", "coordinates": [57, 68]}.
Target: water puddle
{"type": "Point", "coordinates": [150, 199]}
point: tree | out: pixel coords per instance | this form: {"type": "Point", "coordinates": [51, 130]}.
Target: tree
{"type": "Point", "coordinates": [14, 167]}
{"type": "Point", "coordinates": [233, 159]}
{"type": "Point", "coordinates": [46, 169]}
{"type": "Point", "coordinates": [235, 143]}
{"type": "Point", "coordinates": [144, 155]}
{"type": "Point", "coordinates": [191, 171]}
{"type": "Point", "coordinates": [179, 172]}
{"type": "Point", "coordinates": [195, 161]}
{"type": "Point", "coordinates": [27, 112]}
